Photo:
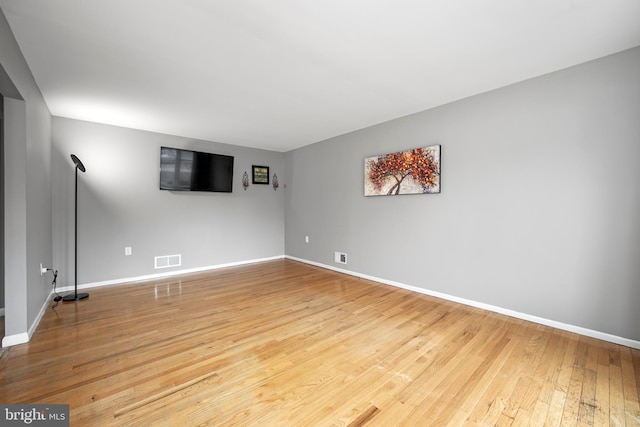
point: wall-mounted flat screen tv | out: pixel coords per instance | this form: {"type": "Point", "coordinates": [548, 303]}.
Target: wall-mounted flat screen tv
{"type": "Point", "coordinates": [186, 170]}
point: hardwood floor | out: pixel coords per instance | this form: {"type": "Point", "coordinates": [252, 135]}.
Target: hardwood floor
{"type": "Point", "coordinates": [287, 344]}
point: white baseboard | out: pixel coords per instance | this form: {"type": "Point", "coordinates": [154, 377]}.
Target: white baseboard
{"type": "Point", "coordinates": [10, 340]}
{"type": "Point", "coordinates": [165, 274]}
{"type": "Point", "coordinates": [26, 336]}
{"type": "Point", "coordinates": [43, 309]}
{"type": "Point", "coordinates": [523, 316]}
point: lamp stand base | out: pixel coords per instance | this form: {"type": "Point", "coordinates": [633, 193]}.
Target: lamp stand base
{"type": "Point", "coordinates": [75, 297]}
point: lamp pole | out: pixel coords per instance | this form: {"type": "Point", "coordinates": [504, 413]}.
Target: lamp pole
{"type": "Point", "coordinates": [76, 296]}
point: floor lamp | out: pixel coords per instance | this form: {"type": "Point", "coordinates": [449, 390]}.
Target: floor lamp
{"type": "Point", "coordinates": [76, 296]}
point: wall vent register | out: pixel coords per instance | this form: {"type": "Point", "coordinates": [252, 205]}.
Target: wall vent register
{"type": "Point", "coordinates": [168, 261]}
{"type": "Point", "coordinates": [340, 258]}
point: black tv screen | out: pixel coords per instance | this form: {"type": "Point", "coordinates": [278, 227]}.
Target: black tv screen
{"type": "Point", "coordinates": [186, 170]}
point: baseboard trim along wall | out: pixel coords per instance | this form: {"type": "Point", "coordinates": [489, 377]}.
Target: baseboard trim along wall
{"type": "Point", "coordinates": [166, 274]}
{"type": "Point", "coordinates": [10, 340]}
{"type": "Point", "coordinates": [523, 316]}
{"type": "Point", "coordinates": [26, 337]}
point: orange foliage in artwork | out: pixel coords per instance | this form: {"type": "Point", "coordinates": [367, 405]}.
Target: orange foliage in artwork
{"type": "Point", "coordinates": [421, 165]}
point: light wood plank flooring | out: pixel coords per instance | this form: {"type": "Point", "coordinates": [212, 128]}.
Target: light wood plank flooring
{"type": "Point", "coordinates": [287, 344]}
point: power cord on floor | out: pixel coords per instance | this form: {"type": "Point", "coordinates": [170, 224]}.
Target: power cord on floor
{"type": "Point", "coordinates": [57, 298]}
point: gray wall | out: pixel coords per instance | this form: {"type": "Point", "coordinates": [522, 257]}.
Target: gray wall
{"type": "Point", "coordinates": [27, 192]}
{"type": "Point", "coordinates": [120, 204]}
{"type": "Point", "coordinates": [2, 196]}
{"type": "Point", "coordinates": [540, 204]}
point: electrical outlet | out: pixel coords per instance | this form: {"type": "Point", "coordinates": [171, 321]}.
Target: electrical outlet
{"type": "Point", "coordinates": [42, 269]}
{"type": "Point", "coordinates": [306, 239]}
{"type": "Point", "coordinates": [127, 251]}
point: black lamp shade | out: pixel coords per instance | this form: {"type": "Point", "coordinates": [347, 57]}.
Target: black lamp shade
{"type": "Point", "coordinates": [78, 163]}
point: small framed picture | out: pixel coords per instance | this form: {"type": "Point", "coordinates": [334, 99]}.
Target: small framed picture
{"type": "Point", "coordinates": [260, 174]}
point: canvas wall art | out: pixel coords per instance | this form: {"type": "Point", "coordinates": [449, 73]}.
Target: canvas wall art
{"type": "Point", "coordinates": [414, 171]}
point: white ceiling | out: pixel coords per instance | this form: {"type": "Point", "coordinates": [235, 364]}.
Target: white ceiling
{"type": "Point", "coordinates": [281, 74]}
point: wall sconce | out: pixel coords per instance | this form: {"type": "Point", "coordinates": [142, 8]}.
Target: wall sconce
{"type": "Point", "coordinates": [245, 180]}
{"type": "Point", "coordinates": [275, 182]}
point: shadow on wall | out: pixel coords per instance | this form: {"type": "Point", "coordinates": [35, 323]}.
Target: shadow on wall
{"type": "Point", "coordinates": [617, 255]}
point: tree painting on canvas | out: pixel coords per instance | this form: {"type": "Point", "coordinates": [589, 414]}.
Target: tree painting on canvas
{"type": "Point", "coordinates": [414, 171]}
